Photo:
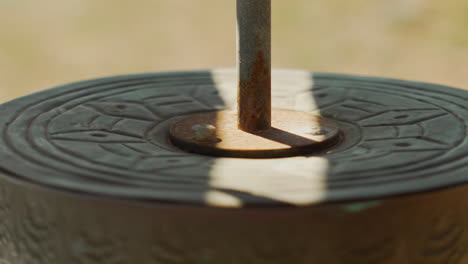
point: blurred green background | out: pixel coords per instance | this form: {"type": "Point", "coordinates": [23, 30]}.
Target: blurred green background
{"type": "Point", "coordinates": [50, 42]}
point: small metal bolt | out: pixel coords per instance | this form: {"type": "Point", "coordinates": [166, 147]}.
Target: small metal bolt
{"type": "Point", "coordinates": [317, 131]}
{"type": "Point", "coordinates": [204, 132]}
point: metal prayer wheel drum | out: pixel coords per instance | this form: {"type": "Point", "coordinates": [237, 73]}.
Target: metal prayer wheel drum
{"type": "Point", "coordinates": [89, 175]}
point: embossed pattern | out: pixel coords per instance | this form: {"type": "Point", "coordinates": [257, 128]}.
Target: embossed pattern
{"type": "Point", "coordinates": [109, 136]}
{"type": "Point", "coordinates": [107, 141]}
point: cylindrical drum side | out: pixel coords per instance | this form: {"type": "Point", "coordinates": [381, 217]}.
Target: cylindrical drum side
{"type": "Point", "coordinates": [43, 226]}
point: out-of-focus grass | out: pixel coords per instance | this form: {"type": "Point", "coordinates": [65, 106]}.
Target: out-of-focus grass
{"type": "Point", "coordinates": [50, 42]}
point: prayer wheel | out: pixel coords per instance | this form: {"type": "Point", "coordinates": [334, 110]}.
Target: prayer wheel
{"type": "Point", "coordinates": [195, 167]}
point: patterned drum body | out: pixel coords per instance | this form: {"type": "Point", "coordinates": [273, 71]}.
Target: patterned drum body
{"type": "Point", "coordinates": [90, 176]}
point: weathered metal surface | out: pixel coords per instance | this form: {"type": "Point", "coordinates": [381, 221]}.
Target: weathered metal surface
{"type": "Point", "coordinates": [89, 175]}
{"type": "Point", "coordinates": [292, 134]}
{"type": "Point", "coordinates": [254, 64]}
{"type": "Point", "coordinates": [43, 226]}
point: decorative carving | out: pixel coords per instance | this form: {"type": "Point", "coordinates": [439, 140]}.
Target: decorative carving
{"type": "Point", "coordinates": [111, 135]}
{"type": "Point", "coordinates": [107, 140]}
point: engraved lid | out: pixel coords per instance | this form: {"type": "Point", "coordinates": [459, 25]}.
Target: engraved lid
{"type": "Point", "coordinates": [108, 137]}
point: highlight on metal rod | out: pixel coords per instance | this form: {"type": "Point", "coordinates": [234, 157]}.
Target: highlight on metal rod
{"type": "Point", "coordinates": [254, 64]}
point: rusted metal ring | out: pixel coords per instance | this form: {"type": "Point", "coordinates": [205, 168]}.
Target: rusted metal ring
{"type": "Point", "coordinates": [292, 134]}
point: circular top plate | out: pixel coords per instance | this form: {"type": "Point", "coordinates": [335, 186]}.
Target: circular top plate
{"type": "Point", "coordinates": [291, 134]}
{"type": "Point", "coordinates": [108, 137]}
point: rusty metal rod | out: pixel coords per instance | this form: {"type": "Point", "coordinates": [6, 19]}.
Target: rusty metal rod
{"type": "Point", "coordinates": [254, 64]}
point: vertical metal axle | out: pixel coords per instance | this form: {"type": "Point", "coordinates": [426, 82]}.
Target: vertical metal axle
{"type": "Point", "coordinates": [254, 64]}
